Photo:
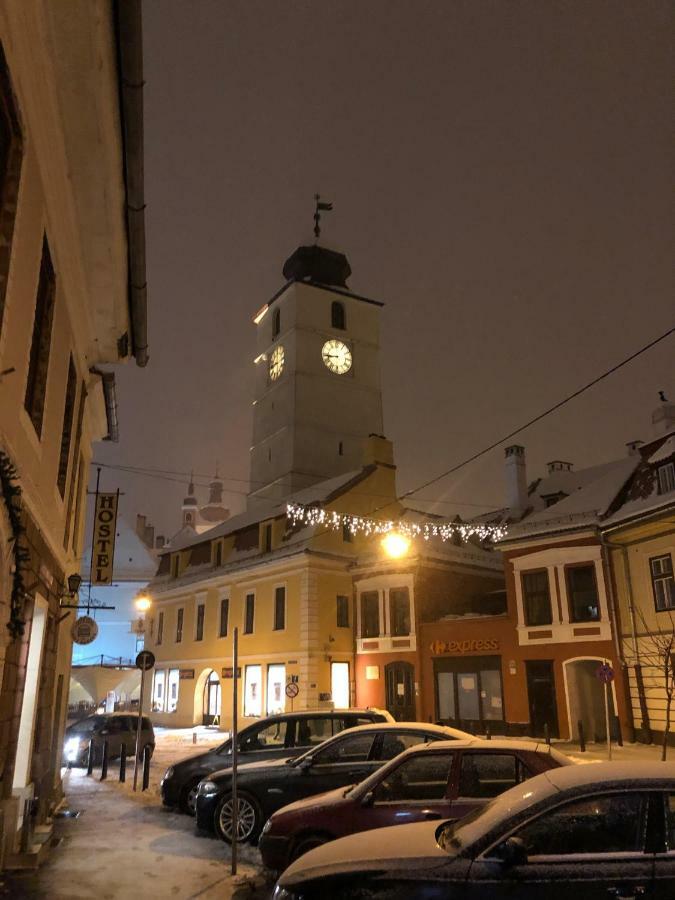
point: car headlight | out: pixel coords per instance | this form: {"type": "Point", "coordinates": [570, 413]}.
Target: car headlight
{"type": "Point", "coordinates": [168, 774]}
{"type": "Point", "coordinates": [207, 788]}
{"type": "Point", "coordinates": [72, 748]}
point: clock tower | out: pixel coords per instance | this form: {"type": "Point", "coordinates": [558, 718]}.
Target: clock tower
{"type": "Point", "coordinates": [317, 385]}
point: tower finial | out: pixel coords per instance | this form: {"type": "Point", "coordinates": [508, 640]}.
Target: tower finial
{"type": "Point", "coordinates": [321, 206]}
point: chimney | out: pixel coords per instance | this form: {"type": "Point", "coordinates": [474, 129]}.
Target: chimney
{"type": "Point", "coordinates": [557, 465]}
{"type": "Point", "coordinates": [663, 417]}
{"type": "Point", "coordinates": [140, 526]}
{"type": "Point", "coordinates": [377, 449]}
{"type": "Point", "coordinates": [516, 479]}
{"type": "Point", "coordinates": [159, 541]}
{"type": "Point", "coordinates": [634, 447]}
{"type": "Point", "coordinates": [149, 535]}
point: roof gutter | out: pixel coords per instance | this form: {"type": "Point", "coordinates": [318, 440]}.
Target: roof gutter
{"type": "Point", "coordinates": [110, 400]}
{"type": "Point", "coordinates": [129, 37]}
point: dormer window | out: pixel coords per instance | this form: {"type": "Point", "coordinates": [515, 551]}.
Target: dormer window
{"type": "Point", "coordinates": [276, 323]}
{"type": "Point", "coordinates": [666, 478]}
{"type": "Point", "coordinates": [337, 315]}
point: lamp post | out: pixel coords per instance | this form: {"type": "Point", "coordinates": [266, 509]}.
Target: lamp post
{"type": "Point", "coordinates": [395, 544]}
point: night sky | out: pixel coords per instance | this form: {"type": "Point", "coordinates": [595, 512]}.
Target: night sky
{"type": "Point", "coordinates": [501, 174]}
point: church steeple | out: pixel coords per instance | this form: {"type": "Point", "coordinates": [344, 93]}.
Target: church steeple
{"type": "Point", "coordinates": [190, 506]}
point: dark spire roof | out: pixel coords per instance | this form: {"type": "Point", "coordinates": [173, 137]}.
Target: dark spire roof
{"type": "Point", "coordinates": [318, 265]}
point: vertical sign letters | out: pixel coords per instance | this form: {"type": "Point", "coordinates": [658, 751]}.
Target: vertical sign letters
{"type": "Point", "coordinates": [103, 549]}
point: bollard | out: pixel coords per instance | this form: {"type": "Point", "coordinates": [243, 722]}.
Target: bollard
{"type": "Point", "coordinates": [123, 762]}
{"type": "Point", "coordinates": [582, 740]}
{"type": "Point", "coordinates": [90, 757]}
{"type": "Point", "coordinates": [488, 736]}
{"type": "Point", "coordinates": [146, 767]}
{"type": "Point", "coordinates": [547, 736]}
{"type": "Point", "coordinates": [104, 761]}
{"type": "Point", "coordinates": [619, 736]}
{"type": "Point", "coordinates": [194, 737]}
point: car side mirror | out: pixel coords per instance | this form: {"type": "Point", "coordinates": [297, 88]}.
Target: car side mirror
{"type": "Point", "coordinates": [368, 799]}
{"type": "Point", "coordinates": [306, 763]}
{"type": "Point", "coordinates": [104, 731]}
{"type": "Point", "coordinates": [512, 852]}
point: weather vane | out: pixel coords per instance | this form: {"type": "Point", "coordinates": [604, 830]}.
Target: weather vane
{"type": "Point", "coordinates": [321, 206]}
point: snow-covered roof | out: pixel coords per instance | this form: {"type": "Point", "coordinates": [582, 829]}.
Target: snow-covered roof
{"type": "Point", "coordinates": [665, 451]}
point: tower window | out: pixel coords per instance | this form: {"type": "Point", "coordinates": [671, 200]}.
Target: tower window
{"type": "Point", "coordinates": [341, 449]}
{"type": "Point", "coordinates": [337, 315]}
{"type": "Point", "coordinates": [276, 323]}
{"type": "Point", "coordinates": [38, 365]}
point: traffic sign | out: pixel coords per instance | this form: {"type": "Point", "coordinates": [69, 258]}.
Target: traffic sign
{"type": "Point", "coordinates": [145, 660]}
{"type": "Point", "coordinates": [292, 690]}
{"type": "Point", "coordinates": [605, 673]}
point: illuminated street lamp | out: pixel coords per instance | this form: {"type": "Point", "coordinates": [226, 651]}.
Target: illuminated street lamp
{"type": "Point", "coordinates": [143, 602]}
{"type": "Point", "coordinates": [395, 544]}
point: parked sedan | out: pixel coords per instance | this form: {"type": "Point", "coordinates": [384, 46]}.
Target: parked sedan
{"type": "Point", "coordinates": [591, 832]}
{"type": "Point", "coordinates": [263, 788]}
{"type": "Point", "coordinates": [440, 780]}
{"type": "Point", "coordinates": [275, 737]}
{"type": "Point", "coordinates": [117, 729]}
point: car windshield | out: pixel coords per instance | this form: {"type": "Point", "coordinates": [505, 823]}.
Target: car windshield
{"type": "Point", "coordinates": [89, 725]}
{"type": "Point", "coordinates": [449, 836]}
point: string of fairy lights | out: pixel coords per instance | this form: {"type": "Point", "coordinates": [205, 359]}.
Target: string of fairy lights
{"type": "Point", "coordinates": [310, 516]}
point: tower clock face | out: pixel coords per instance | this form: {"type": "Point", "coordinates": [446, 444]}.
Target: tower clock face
{"type": "Point", "coordinates": [337, 357]}
{"type": "Point", "coordinates": [276, 362]}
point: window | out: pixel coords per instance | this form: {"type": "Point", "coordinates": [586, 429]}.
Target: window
{"type": "Point", "coordinates": [279, 608]}
{"type": "Point", "coordinates": [583, 593]}
{"type": "Point", "coordinates": [670, 821]}
{"type": "Point", "coordinates": [179, 625]}
{"type": "Point", "coordinates": [219, 554]}
{"type": "Point", "coordinates": [172, 689]}
{"type": "Point", "coordinates": [395, 742]}
{"type": "Point", "coordinates": [337, 315]}
{"type": "Point", "coordinates": [339, 684]}
{"type": "Point", "coordinates": [276, 683]}
{"type": "Point", "coordinates": [536, 598]}
{"type": "Point", "coordinates": [488, 774]}
{"type": "Point", "coordinates": [276, 323]}
{"type": "Point", "coordinates": [160, 628]}
{"type": "Point", "coordinates": [422, 777]}
{"type": "Point", "coordinates": [352, 749]}
{"type": "Point", "coordinates": [249, 613]}
{"type": "Point", "coordinates": [341, 449]}
{"type": "Point", "coordinates": [342, 611]}
{"type": "Point", "coordinates": [224, 614]}
{"type": "Point", "coordinates": [253, 691]}
{"type": "Point", "coordinates": [268, 538]}
{"type": "Point", "coordinates": [399, 611]}
{"type": "Point", "coordinates": [10, 169]}
{"type": "Point", "coordinates": [347, 535]}
{"type": "Point", "coordinates": [310, 732]}
{"type": "Point", "coordinates": [663, 585]}
{"type": "Point", "coordinates": [666, 478]}
{"type": "Point", "coordinates": [269, 737]}
{"type": "Point", "coordinates": [67, 428]}
{"type": "Point", "coordinates": [370, 614]}
{"type": "Point", "coordinates": [610, 824]}
{"type": "Point", "coordinates": [158, 689]}
{"type": "Point", "coordinates": [175, 564]}
{"type": "Point", "coordinates": [199, 623]}
{"type": "Point", "coordinates": [38, 365]}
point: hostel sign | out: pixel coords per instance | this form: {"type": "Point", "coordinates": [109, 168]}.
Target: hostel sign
{"type": "Point", "coordinates": [103, 546]}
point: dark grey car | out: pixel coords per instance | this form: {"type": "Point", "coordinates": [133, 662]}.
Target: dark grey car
{"type": "Point", "coordinates": [116, 728]}
{"type": "Point", "coordinates": [275, 737]}
{"type": "Point", "coordinates": [573, 833]}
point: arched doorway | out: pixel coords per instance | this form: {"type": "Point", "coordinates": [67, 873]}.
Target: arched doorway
{"type": "Point", "coordinates": [399, 679]}
{"type": "Point", "coordinates": [586, 698]}
{"type": "Point", "coordinates": [211, 702]}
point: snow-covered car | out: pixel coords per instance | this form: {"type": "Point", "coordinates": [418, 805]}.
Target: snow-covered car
{"type": "Point", "coordinates": [439, 780]}
{"type": "Point", "coordinates": [572, 833]}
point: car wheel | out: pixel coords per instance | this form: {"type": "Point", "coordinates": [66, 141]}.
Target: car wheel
{"type": "Point", "coordinates": [305, 844]}
{"type": "Point", "coordinates": [249, 819]}
{"type": "Point", "coordinates": [188, 797]}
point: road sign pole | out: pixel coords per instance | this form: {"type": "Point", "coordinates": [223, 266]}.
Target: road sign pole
{"type": "Point", "coordinates": [235, 811]}
{"type": "Point", "coordinates": [609, 736]}
{"type": "Point", "coordinates": [138, 728]}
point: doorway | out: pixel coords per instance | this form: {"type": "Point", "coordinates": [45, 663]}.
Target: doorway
{"type": "Point", "coordinates": [339, 684]}
{"type": "Point", "coordinates": [26, 737]}
{"type": "Point", "coordinates": [541, 697]}
{"type": "Point", "coordinates": [586, 699]}
{"type": "Point", "coordinates": [211, 708]}
{"type": "Point", "coordinates": [399, 690]}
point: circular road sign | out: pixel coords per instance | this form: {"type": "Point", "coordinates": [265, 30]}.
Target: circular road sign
{"type": "Point", "coordinates": [605, 673]}
{"type": "Point", "coordinates": [145, 660]}
{"type": "Point", "coordinates": [292, 690]}
{"type": "Point", "coordinates": [84, 630]}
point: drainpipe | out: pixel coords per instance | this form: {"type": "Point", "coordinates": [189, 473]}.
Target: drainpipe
{"type": "Point", "coordinates": [644, 712]}
{"type": "Point", "coordinates": [110, 400]}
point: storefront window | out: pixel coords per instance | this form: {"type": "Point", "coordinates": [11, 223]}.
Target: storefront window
{"type": "Point", "coordinates": [536, 598]}
{"type": "Point", "coordinates": [253, 691]}
{"type": "Point", "coordinates": [159, 691]}
{"type": "Point", "coordinates": [276, 683]}
{"type": "Point", "coordinates": [469, 689]}
{"type": "Point", "coordinates": [467, 692]}
{"type": "Point", "coordinates": [370, 614]}
{"type": "Point", "coordinates": [446, 695]}
{"type": "Point", "coordinates": [399, 611]}
{"type": "Point", "coordinates": [583, 593]}
{"type": "Point", "coordinates": [172, 690]}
